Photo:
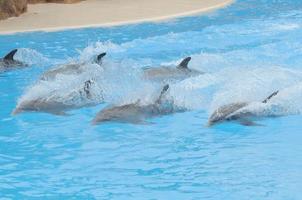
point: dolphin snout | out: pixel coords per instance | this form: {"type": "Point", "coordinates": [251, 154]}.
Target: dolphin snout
{"type": "Point", "coordinates": [213, 121]}
{"type": "Point", "coordinates": [99, 120]}
{"type": "Point", "coordinates": [210, 123]}
{"type": "Point", "coordinates": [23, 107]}
{"type": "Point", "coordinates": [16, 111]}
{"type": "Point", "coordinates": [94, 122]}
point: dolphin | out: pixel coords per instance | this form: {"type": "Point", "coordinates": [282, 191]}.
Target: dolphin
{"type": "Point", "coordinates": [53, 103]}
{"type": "Point", "coordinates": [236, 112]}
{"type": "Point", "coordinates": [68, 69]}
{"type": "Point", "coordinates": [135, 113]}
{"type": "Point", "coordinates": [8, 62]}
{"type": "Point", "coordinates": [166, 73]}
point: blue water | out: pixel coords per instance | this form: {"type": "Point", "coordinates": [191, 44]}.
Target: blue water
{"type": "Point", "coordinates": [248, 50]}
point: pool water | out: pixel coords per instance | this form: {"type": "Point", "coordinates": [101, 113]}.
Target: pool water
{"type": "Point", "coordinates": [248, 50]}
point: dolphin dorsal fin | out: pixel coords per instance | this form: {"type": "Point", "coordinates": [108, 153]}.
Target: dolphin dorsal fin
{"type": "Point", "coordinates": [164, 90]}
{"type": "Point", "coordinates": [99, 58]}
{"type": "Point", "coordinates": [184, 63]}
{"type": "Point", "coordinates": [10, 55]}
{"type": "Point", "coordinates": [270, 96]}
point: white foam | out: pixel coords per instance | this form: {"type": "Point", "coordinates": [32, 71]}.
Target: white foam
{"type": "Point", "coordinates": [31, 57]}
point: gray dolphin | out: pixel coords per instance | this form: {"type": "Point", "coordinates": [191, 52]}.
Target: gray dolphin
{"type": "Point", "coordinates": [8, 62]}
{"type": "Point", "coordinates": [230, 112]}
{"type": "Point", "coordinates": [135, 113]}
{"type": "Point", "coordinates": [74, 68]}
{"type": "Point", "coordinates": [53, 105]}
{"type": "Point", "coordinates": [176, 73]}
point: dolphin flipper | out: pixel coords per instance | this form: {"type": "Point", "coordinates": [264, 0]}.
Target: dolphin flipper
{"type": "Point", "coordinates": [247, 122]}
{"type": "Point", "coordinates": [10, 55]}
{"type": "Point", "coordinates": [184, 63]}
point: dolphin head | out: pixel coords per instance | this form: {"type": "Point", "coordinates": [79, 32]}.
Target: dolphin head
{"type": "Point", "coordinates": [21, 107]}
{"type": "Point", "coordinates": [215, 118]}
{"type": "Point", "coordinates": [17, 111]}
{"type": "Point", "coordinates": [41, 105]}
{"type": "Point", "coordinates": [34, 105]}
{"type": "Point", "coordinates": [106, 115]}
{"type": "Point", "coordinates": [100, 118]}
{"type": "Point", "coordinates": [223, 113]}
{"type": "Point", "coordinates": [24, 106]}
{"type": "Point", "coordinates": [126, 113]}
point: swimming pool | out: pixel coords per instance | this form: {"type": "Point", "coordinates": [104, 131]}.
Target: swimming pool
{"type": "Point", "coordinates": [247, 50]}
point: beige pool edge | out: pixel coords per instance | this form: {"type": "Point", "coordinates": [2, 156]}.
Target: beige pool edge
{"type": "Point", "coordinates": [41, 17]}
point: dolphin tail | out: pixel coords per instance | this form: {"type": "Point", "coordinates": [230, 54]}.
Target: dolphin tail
{"type": "Point", "coordinates": [99, 58]}
{"type": "Point", "coordinates": [270, 96]}
{"type": "Point", "coordinates": [163, 92]}
{"type": "Point", "coordinates": [10, 55]}
{"type": "Point", "coordinates": [184, 63]}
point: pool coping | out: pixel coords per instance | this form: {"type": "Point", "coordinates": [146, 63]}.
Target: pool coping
{"type": "Point", "coordinates": [156, 19]}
